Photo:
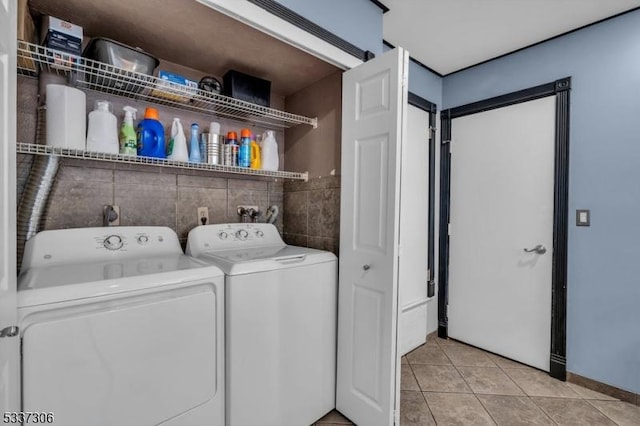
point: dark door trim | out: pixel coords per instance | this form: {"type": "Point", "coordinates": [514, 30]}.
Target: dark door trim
{"type": "Point", "coordinates": [431, 108]}
{"type": "Point", "coordinates": [560, 89]}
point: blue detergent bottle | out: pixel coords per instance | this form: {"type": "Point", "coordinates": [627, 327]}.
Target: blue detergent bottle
{"type": "Point", "coordinates": [194, 145]}
{"type": "Point", "coordinates": [151, 135]}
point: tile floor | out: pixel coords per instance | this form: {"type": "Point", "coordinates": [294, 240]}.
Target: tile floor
{"type": "Point", "coordinates": [445, 382]}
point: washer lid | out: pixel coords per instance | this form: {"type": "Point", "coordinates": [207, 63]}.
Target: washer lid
{"type": "Point", "coordinates": [65, 282]}
{"type": "Point", "coordinates": [262, 259]}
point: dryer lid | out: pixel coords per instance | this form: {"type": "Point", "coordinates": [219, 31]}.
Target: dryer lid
{"type": "Point", "coordinates": [262, 259]}
{"type": "Point", "coordinates": [65, 282]}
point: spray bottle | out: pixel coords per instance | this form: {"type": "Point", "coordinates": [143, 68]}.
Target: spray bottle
{"type": "Point", "coordinates": [128, 137]}
{"type": "Point", "coordinates": [177, 149]}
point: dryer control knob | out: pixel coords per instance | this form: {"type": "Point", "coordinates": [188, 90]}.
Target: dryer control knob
{"type": "Point", "coordinates": [113, 242]}
{"type": "Point", "coordinates": [223, 235]}
{"type": "Point", "coordinates": [242, 234]}
{"type": "Point", "coordinates": [259, 234]}
{"type": "Point", "coordinates": [143, 239]}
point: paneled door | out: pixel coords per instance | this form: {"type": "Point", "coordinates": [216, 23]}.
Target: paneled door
{"type": "Point", "coordinates": [9, 341]}
{"type": "Point", "coordinates": [373, 128]}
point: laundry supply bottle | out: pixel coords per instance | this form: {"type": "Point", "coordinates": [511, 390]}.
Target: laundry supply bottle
{"type": "Point", "coordinates": [151, 135]}
{"type": "Point", "coordinates": [244, 152]}
{"type": "Point", "coordinates": [194, 145]}
{"type": "Point", "coordinates": [231, 149]}
{"type": "Point", "coordinates": [270, 159]}
{"type": "Point", "coordinates": [177, 148]}
{"type": "Point", "coordinates": [255, 155]}
{"type": "Point", "coordinates": [128, 137]}
{"type": "Point", "coordinates": [102, 133]}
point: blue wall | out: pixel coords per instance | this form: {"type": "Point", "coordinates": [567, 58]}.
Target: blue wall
{"type": "Point", "coordinates": [603, 60]}
{"type": "Point", "coordinates": [357, 21]}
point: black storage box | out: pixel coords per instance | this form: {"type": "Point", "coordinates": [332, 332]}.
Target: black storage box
{"type": "Point", "coordinates": [247, 88]}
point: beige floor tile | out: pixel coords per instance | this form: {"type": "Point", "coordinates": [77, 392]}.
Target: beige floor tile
{"type": "Point", "coordinates": [623, 413]}
{"type": "Point", "coordinates": [414, 410]}
{"type": "Point", "coordinates": [457, 409]}
{"type": "Point", "coordinates": [439, 378]}
{"type": "Point", "coordinates": [590, 394]}
{"type": "Point", "coordinates": [447, 342]}
{"type": "Point", "coordinates": [426, 354]}
{"type": "Point", "coordinates": [538, 383]}
{"type": "Point", "coordinates": [333, 418]}
{"type": "Point", "coordinates": [403, 360]}
{"type": "Point", "coordinates": [407, 380]}
{"type": "Point", "coordinates": [514, 410]}
{"type": "Point", "coordinates": [467, 356]}
{"type": "Point", "coordinates": [489, 380]}
{"type": "Point", "coordinates": [505, 362]}
{"type": "Point", "coordinates": [572, 412]}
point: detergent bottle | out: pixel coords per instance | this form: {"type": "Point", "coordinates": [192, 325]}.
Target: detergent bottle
{"type": "Point", "coordinates": [256, 155]}
{"type": "Point", "coordinates": [151, 135]}
{"type": "Point", "coordinates": [177, 149]}
{"type": "Point", "coordinates": [194, 144]}
{"type": "Point", "coordinates": [102, 132]}
{"type": "Point", "coordinates": [128, 137]}
{"type": "Point", "coordinates": [270, 159]}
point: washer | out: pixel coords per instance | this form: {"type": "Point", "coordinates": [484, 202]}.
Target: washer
{"type": "Point", "coordinates": [280, 316]}
{"type": "Point", "coordinates": [119, 327]}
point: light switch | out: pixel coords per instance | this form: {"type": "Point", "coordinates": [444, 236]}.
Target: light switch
{"type": "Point", "coordinates": [583, 218]}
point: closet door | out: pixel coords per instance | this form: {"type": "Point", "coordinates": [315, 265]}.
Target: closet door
{"type": "Point", "coordinates": [9, 341]}
{"type": "Point", "coordinates": [373, 127]}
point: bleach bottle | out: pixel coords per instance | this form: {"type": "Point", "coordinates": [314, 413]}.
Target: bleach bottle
{"type": "Point", "coordinates": [177, 149]}
{"type": "Point", "coordinates": [151, 135]}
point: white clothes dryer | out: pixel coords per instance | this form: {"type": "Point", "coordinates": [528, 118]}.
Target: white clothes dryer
{"type": "Point", "coordinates": [280, 321]}
{"type": "Point", "coordinates": [119, 327]}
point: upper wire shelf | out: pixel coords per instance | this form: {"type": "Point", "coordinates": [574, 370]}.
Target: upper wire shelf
{"type": "Point", "coordinates": [93, 75]}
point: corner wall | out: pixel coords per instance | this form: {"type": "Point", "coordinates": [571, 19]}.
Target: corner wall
{"type": "Point", "coordinates": [603, 341]}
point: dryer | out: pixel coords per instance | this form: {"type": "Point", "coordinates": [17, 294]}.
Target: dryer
{"type": "Point", "coordinates": [119, 327]}
{"type": "Point", "coordinates": [280, 321]}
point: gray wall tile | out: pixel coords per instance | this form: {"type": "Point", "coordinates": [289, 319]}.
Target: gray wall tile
{"type": "Point", "coordinates": [238, 197]}
{"type": "Point", "coordinates": [201, 181]}
{"type": "Point", "coordinates": [77, 204]}
{"type": "Point", "coordinates": [254, 185]}
{"type": "Point", "coordinates": [189, 199]}
{"type": "Point", "coordinates": [296, 207]}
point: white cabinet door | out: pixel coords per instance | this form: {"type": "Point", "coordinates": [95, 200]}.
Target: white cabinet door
{"type": "Point", "coordinates": [9, 346]}
{"type": "Point", "coordinates": [374, 97]}
{"type": "Point", "coordinates": [414, 235]}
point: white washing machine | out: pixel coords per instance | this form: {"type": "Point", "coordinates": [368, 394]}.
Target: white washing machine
{"type": "Point", "coordinates": [280, 321]}
{"type": "Point", "coordinates": [119, 327]}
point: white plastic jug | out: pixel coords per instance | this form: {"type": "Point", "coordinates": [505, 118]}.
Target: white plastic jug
{"type": "Point", "coordinates": [66, 117]}
{"type": "Point", "coordinates": [270, 158]}
{"type": "Point", "coordinates": [177, 150]}
{"type": "Point", "coordinates": [102, 135]}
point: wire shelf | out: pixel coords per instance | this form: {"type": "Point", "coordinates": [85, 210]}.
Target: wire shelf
{"type": "Point", "coordinates": [93, 75]}
{"type": "Point", "coordinates": [29, 148]}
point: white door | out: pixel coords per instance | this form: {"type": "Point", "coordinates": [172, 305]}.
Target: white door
{"type": "Point", "coordinates": [373, 125]}
{"type": "Point", "coordinates": [414, 236]}
{"type": "Point", "coordinates": [502, 186]}
{"type": "Point", "coordinates": [9, 345]}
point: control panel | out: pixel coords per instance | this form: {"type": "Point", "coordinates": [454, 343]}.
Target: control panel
{"type": "Point", "coordinates": [96, 244]}
{"type": "Point", "coordinates": [230, 236]}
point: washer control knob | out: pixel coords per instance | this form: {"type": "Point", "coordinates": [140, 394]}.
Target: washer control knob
{"type": "Point", "coordinates": [143, 239]}
{"type": "Point", "coordinates": [259, 234]}
{"type": "Point", "coordinates": [242, 234]}
{"type": "Point", "coordinates": [113, 242]}
{"type": "Point", "coordinates": [223, 235]}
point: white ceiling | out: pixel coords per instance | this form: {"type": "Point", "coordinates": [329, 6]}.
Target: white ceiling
{"type": "Point", "coordinates": [448, 35]}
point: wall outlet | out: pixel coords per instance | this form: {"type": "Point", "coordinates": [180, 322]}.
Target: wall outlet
{"type": "Point", "coordinates": [239, 210]}
{"type": "Point", "coordinates": [203, 215]}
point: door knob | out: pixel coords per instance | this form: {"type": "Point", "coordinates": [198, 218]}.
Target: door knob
{"type": "Point", "coordinates": [366, 267]}
{"type": "Point", "coordinates": [539, 249]}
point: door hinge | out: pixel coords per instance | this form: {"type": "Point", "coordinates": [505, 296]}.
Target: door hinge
{"type": "Point", "coordinates": [11, 331]}
{"type": "Point", "coordinates": [432, 132]}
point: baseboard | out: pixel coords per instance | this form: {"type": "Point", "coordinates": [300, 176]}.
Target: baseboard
{"type": "Point", "coordinates": [612, 391]}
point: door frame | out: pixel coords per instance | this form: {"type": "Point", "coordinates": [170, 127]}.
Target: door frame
{"type": "Point", "coordinates": [431, 109]}
{"type": "Point", "coordinates": [560, 89]}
